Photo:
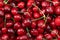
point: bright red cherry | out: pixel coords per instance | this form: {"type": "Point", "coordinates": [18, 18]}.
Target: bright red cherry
{"type": "Point", "coordinates": [57, 10]}
{"type": "Point", "coordinates": [1, 4]}
{"type": "Point", "coordinates": [57, 21]}
{"type": "Point", "coordinates": [17, 25]}
{"type": "Point", "coordinates": [21, 5]}
{"type": "Point", "coordinates": [34, 32]}
{"type": "Point", "coordinates": [17, 17]}
{"type": "Point", "coordinates": [4, 30]}
{"type": "Point", "coordinates": [35, 9]}
{"type": "Point", "coordinates": [21, 32]}
{"type": "Point", "coordinates": [14, 11]}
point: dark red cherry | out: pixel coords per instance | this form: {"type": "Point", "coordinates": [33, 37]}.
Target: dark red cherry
{"type": "Point", "coordinates": [21, 32]}
{"type": "Point", "coordinates": [1, 19]}
{"type": "Point", "coordinates": [34, 32]}
{"type": "Point", "coordinates": [14, 11]}
{"type": "Point", "coordinates": [17, 17]}
{"type": "Point", "coordinates": [17, 25]}
{"type": "Point", "coordinates": [8, 16]}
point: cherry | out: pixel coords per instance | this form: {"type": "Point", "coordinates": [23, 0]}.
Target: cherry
{"type": "Point", "coordinates": [26, 23]}
{"type": "Point", "coordinates": [2, 25]}
{"type": "Point", "coordinates": [17, 17]}
{"type": "Point", "coordinates": [17, 25]}
{"type": "Point", "coordinates": [54, 33]}
{"type": "Point", "coordinates": [36, 15]}
{"type": "Point", "coordinates": [41, 24]}
{"type": "Point", "coordinates": [9, 24]}
{"type": "Point", "coordinates": [1, 4]}
{"type": "Point", "coordinates": [4, 30]}
{"type": "Point", "coordinates": [57, 10]}
{"type": "Point", "coordinates": [40, 37]}
{"type": "Point", "coordinates": [57, 21]}
{"type": "Point", "coordinates": [22, 38]}
{"type": "Point", "coordinates": [8, 16]}
{"type": "Point", "coordinates": [49, 10]}
{"type": "Point", "coordinates": [1, 19]}
{"type": "Point", "coordinates": [1, 13]}
{"type": "Point", "coordinates": [34, 32]}
{"type": "Point", "coordinates": [48, 36]}
{"type": "Point", "coordinates": [21, 4]}
{"type": "Point", "coordinates": [35, 9]}
{"type": "Point", "coordinates": [21, 32]}
{"type": "Point", "coordinates": [45, 4]}
{"type": "Point", "coordinates": [5, 37]}
{"type": "Point", "coordinates": [33, 25]}
{"type": "Point", "coordinates": [14, 11]}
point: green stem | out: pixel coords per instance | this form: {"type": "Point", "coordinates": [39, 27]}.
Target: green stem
{"type": "Point", "coordinates": [5, 1]}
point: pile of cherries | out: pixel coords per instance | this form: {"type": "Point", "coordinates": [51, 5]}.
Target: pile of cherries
{"type": "Point", "coordinates": [29, 19]}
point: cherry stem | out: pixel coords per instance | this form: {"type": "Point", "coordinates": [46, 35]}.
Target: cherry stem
{"type": "Point", "coordinates": [5, 22]}
{"type": "Point", "coordinates": [5, 1]}
{"type": "Point", "coordinates": [28, 32]}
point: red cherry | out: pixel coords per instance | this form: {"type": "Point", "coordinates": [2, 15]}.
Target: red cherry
{"type": "Point", "coordinates": [21, 32]}
{"type": "Point", "coordinates": [14, 11]}
{"type": "Point", "coordinates": [1, 19]}
{"type": "Point", "coordinates": [1, 13]}
{"type": "Point", "coordinates": [36, 15]}
{"type": "Point", "coordinates": [40, 37]}
{"type": "Point", "coordinates": [4, 30]}
{"type": "Point", "coordinates": [17, 25]}
{"type": "Point", "coordinates": [41, 24]}
{"type": "Point", "coordinates": [33, 25]}
{"type": "Point", "coordinates": [17, 17]}
{"type": "Point", "coordinates": [34, 32]}
{"type": "Point", "coordinates": [21, 5]}
{"type": "Point", "coordinates": [57, 10]}
{"type": "Point", "coordinates": [35, 9]}
{"type": "Point", "coordinates": [8, 16]}
{"type": "Point", "coordinates": [57, 21]}
{"type": "Point", "coordinates": [1, 4]}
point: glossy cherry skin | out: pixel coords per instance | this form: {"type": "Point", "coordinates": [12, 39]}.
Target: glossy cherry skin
{"type": "Point", "coordinates": [29, 4]}
{"type": "Point", "coordinates": [33, 25]}
{"type": "Point", "coordinates": [57, 21]}
{"type": "Point", "coordinates": [45, 4]}
{"type": "Point", "coordinates": [5, 37]}
{"type": "Point", "coordinates": [17, 25]}
{"type": "Point", "coordinates": [54, 33]}
{"type": "Point", "coordinates": [7, 8]}
{"type": "Point", "coordinates": [24, 37]}
{"type": "Point", "coordinates": [4, 30]}
{"type": "Point", "coordinates": [41, 24]}
{"type": "Point", "coordinates": [35, 9]}
{"type": "Point", "coordinates": [36, 15]}
{"type": "Point", "coordinates": [59, 38]}
{"type": "Point", "coordinates": [55, 2]}
{"type": "Point", "coordinates": [48, 36]}
{"type": "Point", "coordinates": [1, 13]}
{"type": "Point", "coordinates": [1, 4]}
{"type": "Point", "coordinates": [49, 10]}
{"type": "Point", "coordinates": [21, 5]}
{"type": "Point", "coordinates": [8, 16]}
{"type": "Point", "coordinates": [34, 32]}
{"type": "Point", "coordinates": [11, 32]}
{"type": "Point", "coordinates": [26, 23]}
{"type": "Point", "coordinates": [40, 37]}
{"type": "Point", "coordinates": [21, 32]}
{"type": "Point", "coordinates": [17, 17]}
{"type": "Point", "coordinates": [14, 11]}
{"type": "Point", "coordinates": [57, 10]}
{"type": "Point", "coordinates": [9, 23]}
